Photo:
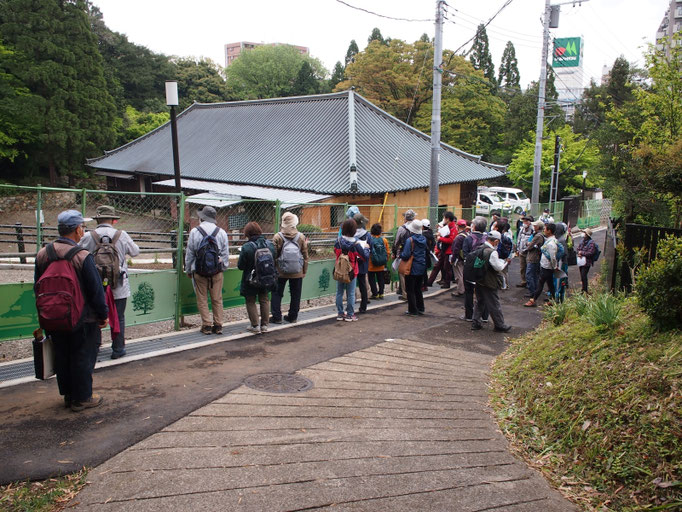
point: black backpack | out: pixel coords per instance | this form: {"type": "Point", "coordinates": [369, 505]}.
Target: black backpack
{"type": "Point", "coordinates": [208, 254]}
{"type": "Point", "coordinates": [475, 266]}
{"type": "Point", "coordinates": [264, 273]}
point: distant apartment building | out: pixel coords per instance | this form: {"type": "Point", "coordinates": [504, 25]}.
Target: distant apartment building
{"type": "Point", "coordinates": [233, 50]}
{"type": "Point", "coordinates": [670, 25]}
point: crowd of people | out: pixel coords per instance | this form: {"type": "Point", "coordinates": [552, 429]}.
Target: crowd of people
{"type": "Point", "coordinates": [82, 286]}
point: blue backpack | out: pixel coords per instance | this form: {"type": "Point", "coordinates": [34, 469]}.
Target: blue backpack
{"type": "Point", "coordinates": [208, 254]}
{"type": "Point", "coordinates": [378, 253]}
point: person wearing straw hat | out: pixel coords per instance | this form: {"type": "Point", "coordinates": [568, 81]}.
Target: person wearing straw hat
{"type": "Point", "coordinates": [125, 247]}
{"type": "Point", "coordinates": [205, 284]}
{"type": "Point", "coordinates": [587, 249]}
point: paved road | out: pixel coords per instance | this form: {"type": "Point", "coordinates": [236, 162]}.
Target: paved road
{"type": "Point", "coordinates": [402, 425]}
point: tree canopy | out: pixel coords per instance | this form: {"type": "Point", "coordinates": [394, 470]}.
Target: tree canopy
{"type": "Point", "coordinates": [480, 55]}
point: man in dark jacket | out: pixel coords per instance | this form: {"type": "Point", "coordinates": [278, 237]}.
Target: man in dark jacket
{"type": "Point", "coordinates": [475, 239]}
{"type": "Point", "coordinates": [486, 288]}
{"type": "Point", "coordinates": [76, 351]}
{"type": "Point", "coordinates": [532, 252]}
{"type": "Point", "coordinates": [458, 259]}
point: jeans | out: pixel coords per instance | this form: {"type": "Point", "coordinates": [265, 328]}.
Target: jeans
{"type": "Point", "coordinates": [415, 299]}
{"type": "Point", "coordinates": [118, 343]}
{"type": "Point", "coordinates": [295, 287]}
{"type": "Point", "coordinates": [349, 289]}
{"type": "Point", "coordinates": [362, 284]}
{"type": "Point", "coordinates": [583, 276]}
{"type": "Point", "coordinates": [532, 276]}
{"type": "Point", "coordinates": [75, 357]}
{"type": "Point", "coordinates": [375, 277]}
{"type": "Point", "coordinates": [546, 276]}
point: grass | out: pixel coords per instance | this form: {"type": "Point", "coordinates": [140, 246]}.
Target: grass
{"type": "Point", "coordinates": [49, 495]}
{"type": "Point", "coordinates": [597, 408]}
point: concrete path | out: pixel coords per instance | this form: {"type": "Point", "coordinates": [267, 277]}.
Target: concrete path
{"type": "Point", "coordinates": [401, 425]}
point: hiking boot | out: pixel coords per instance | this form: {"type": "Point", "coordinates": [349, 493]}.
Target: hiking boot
{"type": "Point", "coordinates": [206, 329]}
{"type": "Point", "coordinates": [263, 328]}
{"type": "Point", "coordinates": [217, 329]}
{"type": "Point", "coordinates": [503, 328]}
{"type": "Point", "coordinates": [118, 355]}
{"type": "Point", "coordinates": [274, 320]}
{"type": "Point", "coordinates": [475, 326]}
{"type": "Point", "coordinates": [289, 320]}
{"type": "Point", "coordinates": [253, 329]}
{"type": "Point", "coordinates": [94, 401]}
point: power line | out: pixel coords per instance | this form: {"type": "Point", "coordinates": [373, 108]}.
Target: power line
{"type": "Point", "coordinates": [504, 5]}
{"type": "Point", "coordinates": [382, 15]}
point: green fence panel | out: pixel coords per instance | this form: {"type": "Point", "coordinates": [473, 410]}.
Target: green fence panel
{"type": "Point", "coordinates": [18, 305]}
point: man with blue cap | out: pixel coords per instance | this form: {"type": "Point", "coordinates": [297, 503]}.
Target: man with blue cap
{"type": "Point", "coordinates": [65, 271]}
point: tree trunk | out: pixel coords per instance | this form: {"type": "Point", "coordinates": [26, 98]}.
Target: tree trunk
{"type": "Point", "coordinates": [53, 174]}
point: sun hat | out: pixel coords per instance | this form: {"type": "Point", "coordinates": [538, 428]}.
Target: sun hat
{"type": "Point", "coordinates": [415, 227]}
{"type": "Point", "coordinates": [71, 219]}
{"type": "Point", "coordinates": [106, 212]}
{"type": "Point", "coordinates": [207, 213]}
{"type": "Point", "coordinates": [409, 215]}
{"type": "Point", "coordinates": [289, 220]}
{"type": "Point", "coordinates": [588, 232]}
{"type": "Point", "coordinates": [426, 223]}
{"type": "Point", "coordinates": [360, 220]}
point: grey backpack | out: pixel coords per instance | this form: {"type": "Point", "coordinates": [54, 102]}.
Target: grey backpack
{"type": "Point", "coordinates": [290, 260]}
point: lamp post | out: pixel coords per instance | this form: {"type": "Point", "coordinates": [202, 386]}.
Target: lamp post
{"type": "Point", "coordinates": [172, 102]}
{"type": "Point", "coordinates": [584, 176]}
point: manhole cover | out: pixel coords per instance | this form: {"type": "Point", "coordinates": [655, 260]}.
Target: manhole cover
{"type": "Point", "coordinates": [279, 383]}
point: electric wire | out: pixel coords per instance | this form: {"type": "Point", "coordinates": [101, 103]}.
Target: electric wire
{"type": "Point", "coordinates": [383, 15]}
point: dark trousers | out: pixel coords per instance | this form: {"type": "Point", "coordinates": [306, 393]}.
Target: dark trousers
{"type": "Point", "coordinates": [364, 299]}
{"type": "Point", "coordinates": [444, 267]}
{"type": "Point", "coordinates": [546, 276]}
{"type": "Point", "coordinates": [75, 357]}
{"type": "Point", "coordinates": [583, 276]}
{"type": "Point", "coordinates": [469, 292]}
{"type": "Point", "coordinates": [375, 277]}
{"type": "Point", "coordinates": [415, 299]}
{"type": "Point", "coordinates": [118, 342]}
{"type": "Point", "coordinates": [487, 302]}
{"type": "Point", "coordinates": [295, 286]}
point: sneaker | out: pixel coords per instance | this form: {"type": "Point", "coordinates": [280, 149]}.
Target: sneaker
{"type": "Point", "coordinates": [484, 320]}
{"type": "Point", "coordinates": [409, 313]}
{"type": "Point", "coordinates": [274, 320]}
{"type": "Point", "coordinates": [118, 355]}
{"type": "Point", "coordinates": [374, 297]}
{"type": "Point", "coordinates": [380, 296]}
{"type": "Point", "coordinates": [466, 319]}
{"type": "Point", "coordinates": [206, 329]}
{"type": "Point", "coordinates": [263, 328]}
{"type": "Point", "coordinates": [351, 318]}
{"type": "Point", "coordinates": [94, 401]}
{"type": "Point", "coordinates": [287, 319]}
{"type": "Point", "coordinates": [340, 318]}
{"type": "Point", "coordinates": [253, 329]}
{"type": "Point", "coordinates": [217, 329]}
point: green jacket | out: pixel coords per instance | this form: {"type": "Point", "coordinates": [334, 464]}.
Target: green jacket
{"type": "Point", "coordinates": [247, 260]}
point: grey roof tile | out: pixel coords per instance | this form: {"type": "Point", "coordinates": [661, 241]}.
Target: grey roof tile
{"type": "Point", "coordinates": [298, 143]}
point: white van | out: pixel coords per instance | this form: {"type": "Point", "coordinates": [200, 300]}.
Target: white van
{"type": "Point", "coordinates": [488, 202]}
{"type": "Point", "coordinates": [514, 196]}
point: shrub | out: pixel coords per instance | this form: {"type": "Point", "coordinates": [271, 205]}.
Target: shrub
{"type": "Point", "coordinates": [309, 228]}
{"type": "Point", "coordinates": [604, 311]}
{"type": "Point", "coordinates": [580, 303]}
{"type": "Point", "coordinates": [659, 285]}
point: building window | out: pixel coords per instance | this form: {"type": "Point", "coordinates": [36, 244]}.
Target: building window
{"type": "Point", "coordinates": [237, 221]}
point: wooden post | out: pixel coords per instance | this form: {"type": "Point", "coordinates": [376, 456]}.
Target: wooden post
{"type": "Point", "coordinates": [20, 240]}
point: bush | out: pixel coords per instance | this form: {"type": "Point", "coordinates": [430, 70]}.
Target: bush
{"type": "Point", "coordinates": [659, 285]}
{"type": "Point", "coordinates": [557, 312]}
{"type": "Point", "coordinates": [309, 228]}
{"type": "Point", "coordinates": [604, 311]}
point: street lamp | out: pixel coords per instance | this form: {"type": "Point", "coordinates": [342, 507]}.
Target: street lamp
{"type": "Point", "coordinates": [172, 102]}
{"type": "Point", "coordinates": [584, 176]}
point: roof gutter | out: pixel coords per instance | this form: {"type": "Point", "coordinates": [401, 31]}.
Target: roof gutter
{"type": "Point", "coordinates": [351, 142]}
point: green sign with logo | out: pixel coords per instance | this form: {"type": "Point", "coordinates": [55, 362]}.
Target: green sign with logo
{"type": "Point", "coordinates": [567, 51]}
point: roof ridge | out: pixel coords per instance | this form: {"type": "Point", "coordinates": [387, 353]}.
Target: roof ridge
{"type": "Point", "coordinates": [285, 99]}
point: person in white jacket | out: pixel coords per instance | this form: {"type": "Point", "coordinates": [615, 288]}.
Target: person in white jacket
{"type": "Point", "coordinates": [548, 264]}
{"type": "Point", "coordinates": [106, 220]}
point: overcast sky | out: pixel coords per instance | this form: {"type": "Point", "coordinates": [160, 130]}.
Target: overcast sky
{"type": "Point", "coordinates": [201, 27]}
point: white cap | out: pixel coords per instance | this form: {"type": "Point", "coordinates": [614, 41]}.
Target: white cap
{"type": "Point", "coordinates": [426, 223]}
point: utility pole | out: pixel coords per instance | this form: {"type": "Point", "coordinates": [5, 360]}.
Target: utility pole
{"type": "Point", "coordinates": [554, 184]}
{"type": "Point", "coordinates": [435, 114]}
{"type": "Point", "coordinates": [537, 163]}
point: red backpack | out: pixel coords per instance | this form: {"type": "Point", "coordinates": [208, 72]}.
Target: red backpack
{"type": "Point", "coordinates": [59, 298]}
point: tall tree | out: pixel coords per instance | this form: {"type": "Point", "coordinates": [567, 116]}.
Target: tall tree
{"type": "Point", "coordinates": [337, 75]}
{"type": "Point", "coordinates": [395, 77]}
{"type": "Point", "coordinates": [199, 80]}
{"type": "Point", "coordinates": [509, 76]}
{"type": "Point", "coordinates": [306, 83]}
{"type": "Point", "coordinates": [375, 36]}
{"type": "Point", "coordinates": [352, 51]}
{"type": "Point", "coordinates": [270, 72]}
{"type": "Point", "coordinates": [63, 67]}
{"type": "Point", "coordinates": [480, 55]}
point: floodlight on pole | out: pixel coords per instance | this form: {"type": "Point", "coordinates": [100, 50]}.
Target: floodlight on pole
{"type": "Point", "coordinates": [172, 102]}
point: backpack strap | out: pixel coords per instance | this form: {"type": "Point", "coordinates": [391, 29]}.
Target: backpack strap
{"type": "Point", "coordinates": [95, 236]}
{"type": "Point", "coordinates": [201, 230]}
{"type": "Point", "coordinates": [51, 253]}
{"type": "Point", "coordinates": [117, 235]}
{"type": "Point", "coordinates": [215, 232]}
{"type": "Point", "coordinates": [72, 252]}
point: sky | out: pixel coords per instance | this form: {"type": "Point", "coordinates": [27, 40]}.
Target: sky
{"type": "Point", "coordinates": [200, 28]}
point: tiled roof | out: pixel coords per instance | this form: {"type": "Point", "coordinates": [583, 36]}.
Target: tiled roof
{"type": "Point", "coordinates": [299, 143]}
